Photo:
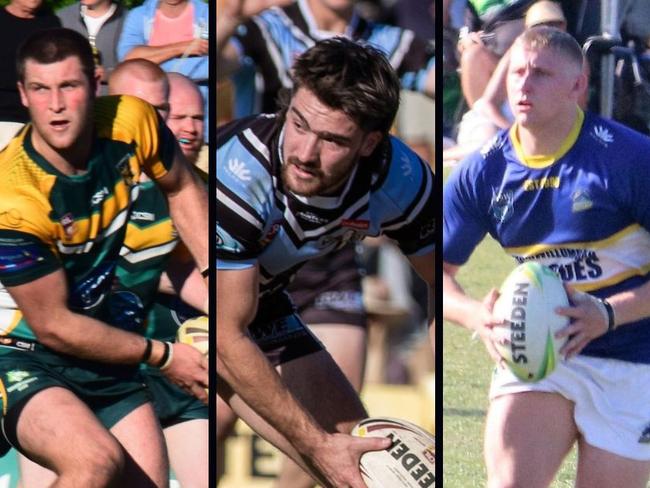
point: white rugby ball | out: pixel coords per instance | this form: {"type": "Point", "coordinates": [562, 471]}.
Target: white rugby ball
{"type": "Point", "coordinates": [410, 460]}
{"type": "Point", "coordinates": [527, 302]}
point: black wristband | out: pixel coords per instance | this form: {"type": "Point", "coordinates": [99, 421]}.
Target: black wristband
{"type": "Point", "coordinates": [147, 351]}
{"type": "Point", "coordinates": [165, 355]}
{"type": "Point", "coordinates": [610, 315]}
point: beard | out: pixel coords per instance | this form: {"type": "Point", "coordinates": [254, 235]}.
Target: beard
{"type": "Point", "coordinates": [318, 183]}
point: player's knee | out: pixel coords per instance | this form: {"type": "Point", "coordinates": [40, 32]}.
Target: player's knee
{"type": "Point", "coordinates": [102, 466]}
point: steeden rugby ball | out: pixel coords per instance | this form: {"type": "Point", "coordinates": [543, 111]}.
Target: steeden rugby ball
{"type": "Point", "coordinates": [527, 302]}
{"type": "Point", "coordinates": [410, 460]}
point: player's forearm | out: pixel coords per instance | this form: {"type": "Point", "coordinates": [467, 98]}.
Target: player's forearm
{"type": "Point", "coordinates": [630, 306]}
{"type": "Point", "coordinates": [84, 337]}
{"type": "Point", "coordinates": [243, 366]}
{"type": "Point", "coordinates": [158, 54]}
{"type": "Point", "coordinates": [457, 306]}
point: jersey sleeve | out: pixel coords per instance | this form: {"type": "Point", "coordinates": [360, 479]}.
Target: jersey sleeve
{"type": "Point", "coordinates": [244, 203]}
{"type": "Point", "coordinates": [25, 240]}
{"type": "Point", "coordinates": [407, 202]}
{"type": "Point", "coordinates": [463, 221]}
{"type": "Point", "coordinates": [136, 122]}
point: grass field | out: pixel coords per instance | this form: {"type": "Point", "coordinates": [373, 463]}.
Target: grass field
{"type": "Point", "coordinates": [466, 375]}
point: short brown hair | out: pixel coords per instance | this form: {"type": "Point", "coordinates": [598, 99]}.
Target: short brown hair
{"type": "Point", "coordinates": [352, 77]}
{"type": "Point", "coordinates": [52, 45]}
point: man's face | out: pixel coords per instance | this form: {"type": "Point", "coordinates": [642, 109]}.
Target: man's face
{"type": "Point", "coordinates": [186, 121]}
{"type": "Point", "coordinates": [542, 85]}
{"type": "Point", "coordinates": [321, 146]}
{"type": "Point", "coordinates": [29, 5]}
{"type": "Point", "coordinates": [59, 99]}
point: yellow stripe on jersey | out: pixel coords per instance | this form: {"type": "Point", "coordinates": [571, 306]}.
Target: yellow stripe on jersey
{"type": "Point", "coordinates": [613, 280]}
{"type": "Point", "coordinates": [608, 242]}
{"type": "Point", "coordinates": [3, 396]}
{"type": "Point", "coordinates": [539, 161]}
{"type": "Point", "coordinates": [9, 320]}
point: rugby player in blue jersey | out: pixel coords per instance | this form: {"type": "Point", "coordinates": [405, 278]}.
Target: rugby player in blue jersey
{"type": "Point", "coordinates": [291, 187]}
{"type": "Point", "coordinates": [72, 398]}
{"type": "Point", "coordinates": [570, 190]}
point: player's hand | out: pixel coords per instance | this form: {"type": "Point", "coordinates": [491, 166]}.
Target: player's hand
{"type": "Point", "coordinates": [487, 326]}
{"type": "Point", "coordinates": [337, 459]}
{"type": "Point", "coordinates": [189, 370]}
{"type": "Point", "coordinates": [589, 320]}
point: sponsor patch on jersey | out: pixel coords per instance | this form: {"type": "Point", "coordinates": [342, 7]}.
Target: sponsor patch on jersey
{"type": "Point", "coordinates": [581, 201]}
{"type": "Point", "coordinates": [312, 217]}
{"type": "Point", "coordinates": [19, 257]}
{"type": "Point", "coordinates": [272, 232]}
{"type": "Point", "coordinates": [501, 206]}
{"type": "Point", "coordinates": [356, 224]}
{"type": "Point", "coordinates": [124, 168]}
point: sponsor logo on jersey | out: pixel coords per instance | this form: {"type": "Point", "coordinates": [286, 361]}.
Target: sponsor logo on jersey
{"type": "Point", "coordinates": [148, 216]}
{"type": "Point", "coordinates": [91, 291]}
{"type": "Point", "coordinates": [602, 135]}
{"type": "Point", "coordinates": [645, 435]}
{"type": "Point", "coordinates": [19, 256]}
{"type": "Point", "coordinates": [99, 196]}
{"type": "Point", "coordinates": [581, 201]}
{"type": "Point", "coordinates": [238, 169]}
{"type": "Point", "coordinates": [312, 217]}
{"type": "Point", "coordinates": [355, 224]}
{"type": "Point", "coordinates": [16, 375]}
{"type": "Point", "coordinates": [542, 183]}
{"type": "Point", "coordinates": [501, 206]}
{"type": "Point", "coordinates": [68, 224]}
{"type": "Point", "coordinates": [272, 232]}
{"type": "Point", "coordinates": [578, 265]}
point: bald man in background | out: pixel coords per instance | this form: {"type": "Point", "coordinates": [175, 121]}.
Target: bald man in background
{"type": "Point", "coordinates": [186, 116]}
{"type": "Point", "coordinates": [143, 79]}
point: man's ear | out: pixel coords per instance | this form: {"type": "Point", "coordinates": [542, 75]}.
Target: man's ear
{"type": "Point", "coordinates": [370, 142]}
{"type": "Point", "coordinates": [23, 96]}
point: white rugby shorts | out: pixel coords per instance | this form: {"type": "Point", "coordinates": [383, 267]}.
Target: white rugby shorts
{"type": "Point", "coordinates": [612, 400]}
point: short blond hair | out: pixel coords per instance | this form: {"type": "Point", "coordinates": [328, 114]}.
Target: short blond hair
{"type": "Point", "coordinates": [545, 37]}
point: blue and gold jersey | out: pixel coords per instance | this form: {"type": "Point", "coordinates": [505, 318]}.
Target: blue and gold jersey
{"type": "Point", "coordinates": [584, 212]}
{"type": "Point", "coordinates": [51, 221]}
{"type": "Point", "coordinates": [391, 193]}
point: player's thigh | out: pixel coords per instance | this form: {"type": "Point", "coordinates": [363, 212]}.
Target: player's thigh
{"type": "Point", "coordinates": [34, 475]}
{"type": "Point", "coordinates": [55, 417]}
{"type": "Point", "coordinates": [322, 388]}
{"type": "Point", "coordinates": [598, 468]}
{"type": "Point", "coordinates": [187, 444]}
{"type": "Point", "coordinates": [527, 436]}
{"type": "Point", "coordinates": [141, 437]}
{"type": "Point", "coordinates": [347, 345]}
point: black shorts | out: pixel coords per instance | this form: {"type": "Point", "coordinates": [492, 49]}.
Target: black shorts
{"type": "Point", "coordinates": [280, 333]}
{"type": "Point", "coordinates": [327, 290]}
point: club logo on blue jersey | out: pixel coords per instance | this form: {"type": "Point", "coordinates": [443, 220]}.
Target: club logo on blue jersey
{"type": "Point", "coordinates": [501, 206]}
{"type": "Point", "coordinates": [603, 135]}
{"type": "Point", "coordinates": [238, 169]}
{"type": "Point", "coordinates": [581, 201]}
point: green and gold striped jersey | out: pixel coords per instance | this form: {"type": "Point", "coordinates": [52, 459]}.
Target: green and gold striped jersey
{"type": "Point", "coordinates": [78, 223]}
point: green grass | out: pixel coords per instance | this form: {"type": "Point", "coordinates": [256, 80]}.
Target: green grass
{"type": "Point", "coordinates": [466, 376]}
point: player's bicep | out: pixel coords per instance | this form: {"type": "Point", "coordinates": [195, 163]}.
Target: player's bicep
{"type": "Point", "coordinates": [43, 301]}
